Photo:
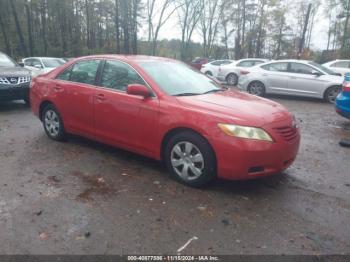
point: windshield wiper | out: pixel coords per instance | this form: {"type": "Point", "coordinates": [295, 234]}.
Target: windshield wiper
{"type": "Point", "coordinates": [214, 91]}
{"type": "Point", "coordinates": [187, 94]}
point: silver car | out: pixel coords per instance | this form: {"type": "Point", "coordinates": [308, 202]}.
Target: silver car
{"type": "Point", "coordinates": [291, 77]}
{"type": "Point", "coordinates": [230, 73]}
{"type": "Point", "coordinates": [42, 65]}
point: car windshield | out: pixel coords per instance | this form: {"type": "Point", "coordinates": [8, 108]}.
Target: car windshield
{"type": "Point", "coordinates": [323, 68]}
{"type": "Point", "coordinates": [5, 61]}
{"type": "Point", "coordinates": [178, 79]}
{"type": "Point", "coordinates": [53, 62]}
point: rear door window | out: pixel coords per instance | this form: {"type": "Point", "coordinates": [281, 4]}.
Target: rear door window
{"type": "Point", "coordinates": [343, 64]}
{"type": "Point", "coordinates": [84, 72]}
{"type": "Point", "coordinates": [276, 67]}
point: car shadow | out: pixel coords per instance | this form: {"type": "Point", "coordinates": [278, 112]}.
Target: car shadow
{"type": "Point", "coordinates": [13, 106]}
{"type": "Point", "coordinates": [157, 168]}
{"type": "Point", "coordinates": [296, 98]}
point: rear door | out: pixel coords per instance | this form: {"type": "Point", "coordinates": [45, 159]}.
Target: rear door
{"type": "Point", "coordinates": [74, 89]}
{"type": "Point", "coordinates": [121, 119]}
{"type": "Point", "coordinates": [276, 77]}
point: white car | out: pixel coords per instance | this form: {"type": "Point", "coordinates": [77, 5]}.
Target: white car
{"type": "Point", "coordinates": [291, 77]}
{"type": "Point", "coordinates": [339, 66]}
{"type": "Point", "coordinates": [42, 65]}
{"type": "Point", "coordinates": [212, 68]}
{"type": "Point", "coordinates": [230, 73]}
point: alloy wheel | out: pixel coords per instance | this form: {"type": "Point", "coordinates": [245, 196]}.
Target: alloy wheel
{"type": "Point", "coordinates": [187, 160]}
{"type": "Point", "coordinates": [52, 123]}
{"type": "Point", "coordinates": [332, 94]}
{"type": "Point", "coordinates": [256, 88]}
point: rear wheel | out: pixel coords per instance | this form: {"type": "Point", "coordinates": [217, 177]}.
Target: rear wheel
{"type": "Point", "coordinates": [52, 123]}
{"type": "Point", "coordinates": [190, 159]}
{"type": "Point", "coordinates": [332, 93]}
{"type": "Point", "coordinates": [256, 88]}
{"type": "Point", "coordinates": [232, 79]}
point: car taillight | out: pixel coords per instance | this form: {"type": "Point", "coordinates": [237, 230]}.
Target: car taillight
{"type": "Point", "coordinates": [346, 86]}
{"type": "Point", "coordinates": [244, 72]}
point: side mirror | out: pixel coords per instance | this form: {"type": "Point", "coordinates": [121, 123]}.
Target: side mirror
{"type": "Point", "coordinates": [316, 73]}
{"type": "Point", "coordinates": [138, 90]}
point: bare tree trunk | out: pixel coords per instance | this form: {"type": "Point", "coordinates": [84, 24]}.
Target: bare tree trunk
{"type": "Point", "coordinates": [301, 44]}
{"type": "Point", "coordinates": [43, 25]}
{"type": "Point", "coordinates": [19, 29]}
{"type": "Point", "coordinates": [6, 40]}
{"type": "Point", "coordinates": [29, 24]}
{"type": "Point", "coordinates": [88, 30]}
{"type": "Point", "coordinates": [117, 32]}
{"type": "Point", "coordinates": [345, 33]}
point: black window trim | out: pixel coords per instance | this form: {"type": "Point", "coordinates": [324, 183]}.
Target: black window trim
{"type": "Point", "coordinates": [100, 72]}
{"type": "Point", "coordinates": [70, 68]}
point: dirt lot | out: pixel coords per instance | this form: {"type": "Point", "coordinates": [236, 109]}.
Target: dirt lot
{"type": "Point", "coordinates": [81, 197]}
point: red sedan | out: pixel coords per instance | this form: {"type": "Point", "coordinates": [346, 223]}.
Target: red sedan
{"type": "Point", "coordinates": [163, 109]}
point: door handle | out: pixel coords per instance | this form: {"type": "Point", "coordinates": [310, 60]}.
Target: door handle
{"type": "Point", "coordinates": [100, 97]}
{"type": "Point", "coordinates": [58, 88]}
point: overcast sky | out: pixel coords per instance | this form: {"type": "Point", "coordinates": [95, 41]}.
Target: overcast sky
{"type": "Point", "coordinates": [171, 30]}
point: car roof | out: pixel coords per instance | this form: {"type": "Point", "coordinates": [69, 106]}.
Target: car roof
{"type": "Point", "coordinates": [134, 58]}
{"type": "Point", "coordinates": [41, 57]}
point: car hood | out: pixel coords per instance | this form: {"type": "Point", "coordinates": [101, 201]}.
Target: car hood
{"type": "Point", "coordinates": [238, 108]}
{"type": "Point", "coordinates": [14, 71]}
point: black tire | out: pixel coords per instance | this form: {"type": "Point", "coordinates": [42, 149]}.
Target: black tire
{"type": "Point", "coordinates": [208, 171]}
{"type": "Point", "coordinates": [331, 94]}
{"type": "Point", "coordinates": [232, 79]}
{"type": "Point", "coordinates": [208, 73]}
{"type": "Point", "coordinates": [26, 101]}
{"type": "Point", "coordinates": [256, 88]}
{"type": "Point", "coordinates": [59, 134]}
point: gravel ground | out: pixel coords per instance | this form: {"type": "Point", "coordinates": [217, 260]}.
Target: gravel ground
{"type": "Point", "coordinates": [81, 197]}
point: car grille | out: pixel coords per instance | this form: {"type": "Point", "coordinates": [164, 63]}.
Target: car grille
{"type": "Point", "coordinates": [287, 132]}
{"type": "Point", "coordinates": [15, 80]}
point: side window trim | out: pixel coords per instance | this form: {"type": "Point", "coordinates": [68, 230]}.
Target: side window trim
{"type": "Point", "coordinates": [99, 83]}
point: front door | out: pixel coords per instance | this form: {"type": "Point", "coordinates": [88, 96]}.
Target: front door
{"type": "Point", "coordinates": [119, 118]}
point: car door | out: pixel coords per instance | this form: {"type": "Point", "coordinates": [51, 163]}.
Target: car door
{"type": "Point", "coordinates": [276, 77]}
{"type": "Point", "coordinates": [74, 90]}
{"type": "Point", "coordinates": [121, 119]}
{"type": "Point", "coordinates": [304, 81]}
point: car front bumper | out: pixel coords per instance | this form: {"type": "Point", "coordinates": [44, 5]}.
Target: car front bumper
{"type": "Point", "coordinates": [241, 159]}
{"type": "Point", "coordinates": [14, 92]}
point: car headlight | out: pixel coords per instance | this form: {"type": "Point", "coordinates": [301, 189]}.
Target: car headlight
{"type": "Point", "coordinates": [245, 132]}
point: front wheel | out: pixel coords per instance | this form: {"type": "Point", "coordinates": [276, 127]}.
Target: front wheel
{"type": "Point", "coordinates": [52, 123]}
{"type": "Point", "coordinates": [256, 88]}
{"type": "Point", "coordinates": [332, 93]}
{"type": "Point", "coordinates": [190, 159]}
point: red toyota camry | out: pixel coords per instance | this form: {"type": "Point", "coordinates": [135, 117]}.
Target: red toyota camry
{"type": "Point", "coordinates": [163, 109]}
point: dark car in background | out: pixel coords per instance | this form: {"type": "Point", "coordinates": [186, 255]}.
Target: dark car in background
{"type": "Point", "coordinates": [199, 61]}
{"type": "Point", "coordinates": [14, 80]}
